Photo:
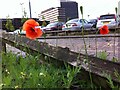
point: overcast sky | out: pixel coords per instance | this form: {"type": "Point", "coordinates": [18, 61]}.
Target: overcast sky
{"type": "Point", "coordinates": [94, 8]}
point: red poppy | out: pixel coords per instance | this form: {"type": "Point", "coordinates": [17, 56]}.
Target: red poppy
{"type": "Point", "coordinates": [31, 31]}
{"type": "Point", "coordinates": [104, 30]}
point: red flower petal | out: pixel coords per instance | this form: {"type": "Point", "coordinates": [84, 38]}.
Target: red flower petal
{"type": "Point", "coordinates": [31, 31]}
{"type": "Point", "coordinates": [104, 30]}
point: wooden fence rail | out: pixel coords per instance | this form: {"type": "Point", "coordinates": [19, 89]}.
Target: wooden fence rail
{"type": "Point", "coordinates": [98, 68]}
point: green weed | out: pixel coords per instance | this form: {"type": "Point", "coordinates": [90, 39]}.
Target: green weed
{"type": "Point", "coordinates": [102, 55]}
{"type": "Point", "coordinates": [19, 72]}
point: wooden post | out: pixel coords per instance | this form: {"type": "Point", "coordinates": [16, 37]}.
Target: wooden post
{"type": "Point", "coordinates": [3, 47]}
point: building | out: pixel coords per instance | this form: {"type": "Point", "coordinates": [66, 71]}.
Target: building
{"type": "Point", "coordinates": [53, 14]}
{"type": "Point", "coordinates": [71, 9]}
{"type": "Point", "coordinates": [67, 10]}
{"type": "Point", "coordinates": [119, 8]}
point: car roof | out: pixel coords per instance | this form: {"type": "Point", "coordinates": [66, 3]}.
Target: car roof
{"type": "Point", "coordinates": [72, 20]}
{"type": "Point", "coordinates": [92, 20]}
{"type": "Point", "coordinates": [107, 16]}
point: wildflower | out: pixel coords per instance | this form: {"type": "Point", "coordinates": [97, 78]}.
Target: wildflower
{"type": "Point", "coordinates": [16, 86]}
{"type": "Point", "coordinates": [6, 70]}
{"type": "Point", "coordinates": [22, 73]}
{"type": "Point", "coordinates": [38, 84]}
{"type": "Point", "coordinates": [1, 85]}
{"type": "Point", "coordinates": [32, 32]}
{"type": "Point", "coordinates": [42, 74]}
{"type": "Point", "coordinates": [104, 30]}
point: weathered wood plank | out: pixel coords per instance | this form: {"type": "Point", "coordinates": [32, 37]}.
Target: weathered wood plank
{"type": "Point", "coordinates": [96, 66]}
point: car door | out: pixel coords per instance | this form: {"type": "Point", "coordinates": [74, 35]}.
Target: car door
{"type": "Point", "coordinates": [86, 24]}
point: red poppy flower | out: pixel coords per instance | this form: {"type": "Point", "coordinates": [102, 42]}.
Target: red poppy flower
{"type": "Point", "coordinates": [104, 30]}
{"type": "Point", "coordinates": [31, 31]}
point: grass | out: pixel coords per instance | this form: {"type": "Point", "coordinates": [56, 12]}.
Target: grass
{"type": "Point", "coordinates": [29, 72]}
{"type": "Point", "coordinates": [102, 55]}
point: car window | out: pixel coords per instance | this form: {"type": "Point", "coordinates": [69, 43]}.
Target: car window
{"type": "Point", "coordinates": [83, 20]}
{"type": "Point", "coordinates": [118, 17]}
{"type": "Point", "coordinates": [59, 24]}
{"type": "Point", "coordinates": [73, 20]}
{"type": "Point", "coordinates": [107, 17]}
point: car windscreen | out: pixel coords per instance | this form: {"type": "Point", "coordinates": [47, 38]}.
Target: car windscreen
{"type": "Point", "coordinates": [83, 20]}
{"type": "Point", "coordinates": [107, 17]}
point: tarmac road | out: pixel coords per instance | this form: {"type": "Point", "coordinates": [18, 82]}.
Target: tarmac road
{"type": "Point", "coordinates": [105, 44]}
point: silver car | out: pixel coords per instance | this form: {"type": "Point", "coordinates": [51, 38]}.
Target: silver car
{"type": "Point", "coordinates": [111, 20]}
{"type": "Point", "coordinates": [53, 26]}
{"type": "Point", "coordinates": [77, 24]}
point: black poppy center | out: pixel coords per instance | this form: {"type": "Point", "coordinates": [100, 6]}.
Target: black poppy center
{"type": "Point", "coordinates": [32, 30]}
{"type": "Point", "coordinates": [103, 29]}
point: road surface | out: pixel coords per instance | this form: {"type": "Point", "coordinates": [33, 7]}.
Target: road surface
{"type": "Point", "coordinates": [104, 44]}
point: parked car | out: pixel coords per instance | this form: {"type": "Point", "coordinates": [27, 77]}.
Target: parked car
{"type": "Point", "coordinates": [53, 26]}
{"type": "Point", "coordinates": [94, 22]}
{"type": "Point", "coordinates": [111, 20]}
{"type": "Point", "coordinates": [76, 24]}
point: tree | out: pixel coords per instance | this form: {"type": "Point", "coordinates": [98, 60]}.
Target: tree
{"type": "Point", "coordinates": [43, 23]}
{"type": "Point", "coordinates": [9, 24]}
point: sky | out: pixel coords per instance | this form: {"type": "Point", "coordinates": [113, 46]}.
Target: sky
{"type": "Point", "coordinates": [93, 8]}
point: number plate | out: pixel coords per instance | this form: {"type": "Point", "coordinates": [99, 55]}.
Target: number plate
{"type": "Point", "coordinates": [105, 23]}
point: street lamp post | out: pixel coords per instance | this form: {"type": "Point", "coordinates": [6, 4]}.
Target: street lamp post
{"type": "Point", "coordinates": [88, 16]}
{"type": "Point", "coordinates": [22, 8]}
{"type": "Point", "coordinates": [30, 9]}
